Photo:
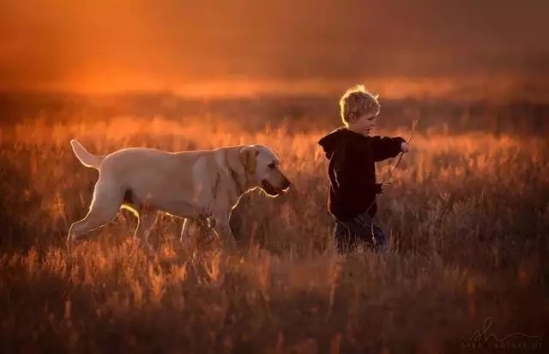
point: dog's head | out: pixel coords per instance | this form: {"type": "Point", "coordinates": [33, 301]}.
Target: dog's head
{"type": "Point", "coordinates": [261, 163]}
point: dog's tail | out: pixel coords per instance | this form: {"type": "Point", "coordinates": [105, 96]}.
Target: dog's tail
{"type": "Point", "coordinates": [86, 158]}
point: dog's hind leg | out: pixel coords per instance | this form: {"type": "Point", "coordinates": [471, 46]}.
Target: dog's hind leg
{"type": "Point", "coordinates": [147, 220]}
{"type": "Point", "coordinates": [106, 202]}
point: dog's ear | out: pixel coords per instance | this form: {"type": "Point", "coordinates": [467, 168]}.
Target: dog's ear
{"type": "Point", "coordinates": [248, 158]}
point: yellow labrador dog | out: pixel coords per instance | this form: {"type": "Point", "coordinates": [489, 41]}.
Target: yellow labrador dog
{"type": "Point", "coordinates": [201, 186]}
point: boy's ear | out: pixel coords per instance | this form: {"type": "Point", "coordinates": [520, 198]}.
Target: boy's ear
{"type": "Point", "coordinates": [351, 117]}
{"type": "Point", "coordinates": [248, 158]}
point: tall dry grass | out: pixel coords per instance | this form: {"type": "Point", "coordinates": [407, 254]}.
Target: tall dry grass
{"type": "Point", "coordinates": [467, 215]}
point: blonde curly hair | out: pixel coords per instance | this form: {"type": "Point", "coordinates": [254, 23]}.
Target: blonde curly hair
{"type": "Point", "coordinates": [359, 101]}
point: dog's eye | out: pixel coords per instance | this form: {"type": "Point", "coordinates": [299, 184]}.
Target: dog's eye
{"type": "Point", "coordinates": [271, 165]}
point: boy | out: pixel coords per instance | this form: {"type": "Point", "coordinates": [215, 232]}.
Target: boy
{"type": "Point", "coordinates": [352, 152]}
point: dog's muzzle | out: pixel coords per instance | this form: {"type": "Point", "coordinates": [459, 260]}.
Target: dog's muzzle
{"type": "Point", "coordinates": [273, 190]}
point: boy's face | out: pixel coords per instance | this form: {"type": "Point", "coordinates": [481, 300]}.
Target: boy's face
{"type": "Point", "coordinates": [363, 124]}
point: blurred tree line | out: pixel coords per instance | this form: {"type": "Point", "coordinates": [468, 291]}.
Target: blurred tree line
{"type": "Point", "coordinates": [295, 112]}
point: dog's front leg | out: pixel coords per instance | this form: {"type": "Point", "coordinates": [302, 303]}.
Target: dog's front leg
{"type": "Point", "coordinates": [223, 230]}
{"type": "Point", "coordinates": [189, 231]}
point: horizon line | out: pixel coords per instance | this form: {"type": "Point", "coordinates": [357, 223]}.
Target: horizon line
{"type": "Point", "coordinates": [452, 89]}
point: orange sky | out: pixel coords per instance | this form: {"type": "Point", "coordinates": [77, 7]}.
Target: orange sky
{"type": "Point", "coordinates": [396, 47]}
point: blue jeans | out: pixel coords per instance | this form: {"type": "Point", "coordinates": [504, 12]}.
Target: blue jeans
{"type": "Point", "coordinates": [363, 228]}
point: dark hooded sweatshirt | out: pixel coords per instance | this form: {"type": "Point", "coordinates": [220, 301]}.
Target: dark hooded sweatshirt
{"type": "Point", "coordinates": [351, 170]}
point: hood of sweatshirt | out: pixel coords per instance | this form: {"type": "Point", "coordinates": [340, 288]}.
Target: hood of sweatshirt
{"type": "Point", "coordinates": [334, 139]}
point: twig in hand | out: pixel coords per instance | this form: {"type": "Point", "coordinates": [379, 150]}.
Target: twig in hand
{"type": "Point", "coordinates": [402, 153]}
{"type": "Point", "coordinates": [398, 161]}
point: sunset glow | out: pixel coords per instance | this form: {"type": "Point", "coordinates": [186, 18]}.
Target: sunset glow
{"type": "Point", "coordinates": [245, 47]}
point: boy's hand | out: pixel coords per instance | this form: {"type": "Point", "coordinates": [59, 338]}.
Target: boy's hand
{"type": "Point", "coordinates": [404, 147]}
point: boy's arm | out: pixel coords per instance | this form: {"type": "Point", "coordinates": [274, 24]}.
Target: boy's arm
{"type": "Point", "coordinates": [346, 175]}
{"type": "Point", "coordinates": [385, 147]}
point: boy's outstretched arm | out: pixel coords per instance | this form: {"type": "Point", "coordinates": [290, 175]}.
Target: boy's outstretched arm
{"type": "Point", "coordinates": [385, 147]}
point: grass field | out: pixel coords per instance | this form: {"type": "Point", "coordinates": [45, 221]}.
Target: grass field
{"type": "Point", "coordinates": [467, 215]}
